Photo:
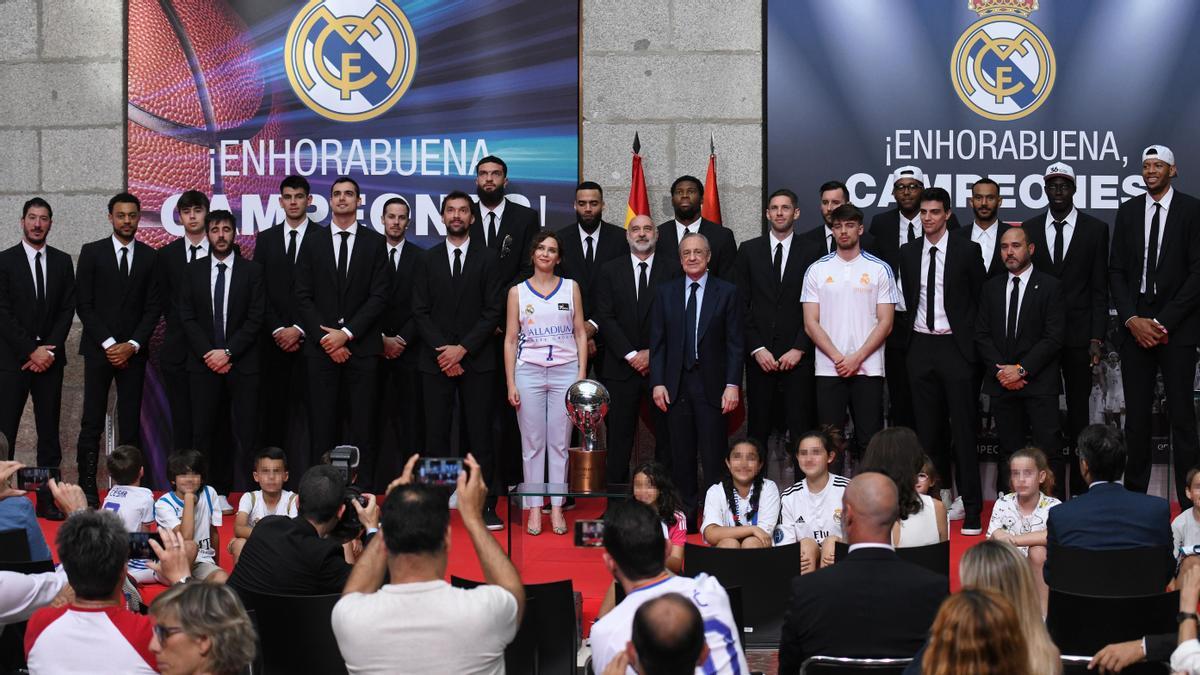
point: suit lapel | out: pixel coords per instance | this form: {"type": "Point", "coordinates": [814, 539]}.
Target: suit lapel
{"type": "Point", "coordinates": [237, 290]}
{"type": "Point", "coordinates": [1029, 299]}
{"type": "Point", "coordinates": [707, 305]}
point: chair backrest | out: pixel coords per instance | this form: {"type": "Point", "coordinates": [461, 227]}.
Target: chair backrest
{"type": "Point", "coordinates": [933, 557]}
{"type": "Point", "coordinates": [295, 632]}
{"type": "Point", "coordinates": [547, 639]}
{"type": "Point", "coordinates": [256, 666]}
{"type": "Point", "coordinates": [837, 665]}
{"type": "Point", "coordinates": [764, 576]}
{"type": "Point", "coordinates": [1083, 624]}
{"type": "Point", "coordinates": [1078, 665]}
{"type": "Point", "coordinates": [14, 546]}
{"type": "Point", "coordinates": [27, 567]}
{"type": "Point", "coordinates": [1116, 573]}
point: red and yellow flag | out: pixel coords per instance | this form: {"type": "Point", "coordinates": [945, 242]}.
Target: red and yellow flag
{"type": "Point", "coordinates": [711, 208]}
{"type": "Point", "coordinates": [639, 200]}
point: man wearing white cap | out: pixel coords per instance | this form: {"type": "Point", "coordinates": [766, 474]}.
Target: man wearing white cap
{"type": "Point", "coordinates": [1072, 246]}
{"type": "Point", "coordinates": [1154, 280]}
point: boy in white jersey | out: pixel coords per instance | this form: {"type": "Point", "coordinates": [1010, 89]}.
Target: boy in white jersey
{"type": "Point", "coordinates": [270, 472]}
{"type": "Point", "coordinates": [850, 300]}
{"type": "Point", "coordinates": [132, 503]}
{"type": "Point", "coordinates": [811, 510]}
{"type": "Point", "coordinates": [193, 511]}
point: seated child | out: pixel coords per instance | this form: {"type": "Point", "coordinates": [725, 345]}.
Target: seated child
{"type": "Point", "coordinates": [132, 503]}
{"type": "Point", "coordinates": [192, 510]}
{"type": "Point", "coordinates": [743, 509]}
{"type": "Point", "coordinates": [1020, 516]}
{"type": "Point", "coordinates": [812, 508]}
{"type": "Point", "coordinates": [270, 472]}
{"type": "Point", "coordinates": [928, 480]}
{"type": "Point", "coordinates": [1186, 526]}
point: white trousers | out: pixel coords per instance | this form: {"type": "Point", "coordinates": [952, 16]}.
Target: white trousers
{"type": "Point", "coordinates": [545, 429]}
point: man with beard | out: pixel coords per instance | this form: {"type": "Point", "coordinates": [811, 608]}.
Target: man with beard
{"type": "Point", "coordinates": [173, 259]}
{"type": "Point", "coordinates": [687, 194]}
{"type": "Point", "coordinates": [118, 303]}
{"type": "Point", "coordinates": [37, 305]}
{"type": "Point", "coordinates": [1072, 247]}
{"type": "Point", "coordinates": [987, 228]}
{"type": "Point", "coordinates": [624, 300]}
{"type": "Point", "coordinates": [221, 307]}
{"type": "Point", "coordinates": [1019, 335]}
{"type": "Point", "coordinates": [457, 304]}
{"type": "Point", "coordinates": [779, 365]}
{"type": "Point", "coordinates": [341, 293]}
{"type": "Point", "coordinates": [1154, 278]}
{"type": "Point", "coordinates": [833, 194]}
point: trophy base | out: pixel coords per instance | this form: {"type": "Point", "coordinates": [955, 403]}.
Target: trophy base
{"type": "Point", "coordinates": [587, 471]}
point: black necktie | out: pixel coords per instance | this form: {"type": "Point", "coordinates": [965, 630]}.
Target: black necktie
{"type": "Point", "coordinates": [492, 229]}
{"type": "Point", "coordinates": [777, 263]}
{"type": "Point", "coordinates": [830, 238]}
{"type": "Point", "coordinates": [931, 288]}
{"type": "Point", "coordinates": [344, 256]}
{"type": "Point", "coordinates": [912, 231]}
{"type": "Point", "coordinates": [39, 283]}
{"type": "Point", "coordinates": [219, 308]}
{"type": "Point", "coordinates": [124, 262]}
{"type": "Point", "coordinates": [291, 249]}
{"type": "Point", "coordinates": [1014, 303]}
{"type": "Point", "coordinates": [192, 255]}
{"type": "Point", "coordinates": [456, 269]}
{"type": "Point", "coordinates": [643, 280]}
{"type": "Point", "coordinates": [1152, 254]}
{"type": "Point", "coordinates": [1059, 244]}
{"type": "Point", "coordinates": [689, 326]}
{"type": "Point", "coordinates": [395, 265]}
{"type": "Point", "coordinates": [589, 256]}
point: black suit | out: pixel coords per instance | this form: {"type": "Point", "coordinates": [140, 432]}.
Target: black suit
{"type": "Point", "coordinates": [173, 354]}
{"type": "Point", "coordinates": [995, 265]}
{"type": "Point", "coordinates": [463, 312]}
{"type": "Point", "coordinates": [242, 321]}
{"type": "Point", "coordinates": [885, 230]}
{"type": "Point", "coordinates": [123, 308]}
{"type": "Point", "coordinates": [624, 319]}
{"type": "Point", "coordinates": [1174, 304]}
{"type": "Point", "coordinates": [1041, 323]}
{"type": "Point", "coordinates": [774, 320]}
{"type": "Point", "coordinates": [1083, 283]}
{"type": "Point", "coordinates": [286, 555]}
{"type": "Point", "coordinates": [818, 239]}
{"type": "Point", "coordinates": [870, 604]}
{"type": "Point", "coordinates": [356, 303]}
{"type": "Point", "coordinates": [694, 416]}
{"type": "Point", "coordinates": [720, 241]}
{"type": "Point", "coordinates": [941, 367]}
{"type": "Point", "coordinates": [400, 412]}
{"type": "Point", "coordinates": [26, 324]}
{"type": "Point", "coordinates": [611, 244]}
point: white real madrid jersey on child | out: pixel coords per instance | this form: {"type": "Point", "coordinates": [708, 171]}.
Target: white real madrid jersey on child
{"type": "Point", "coordinates": [805, 514]}
{"type": "Point", "coordinates": [547, 336]}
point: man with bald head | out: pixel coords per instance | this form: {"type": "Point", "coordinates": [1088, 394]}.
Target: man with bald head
{"type": "Point", "coordinates": [871, 603]}
{"type": "Point", "coordinates": [668, 639]}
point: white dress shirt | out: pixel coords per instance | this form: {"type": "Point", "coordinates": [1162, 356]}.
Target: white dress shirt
{"type": "Point", "coordinates": [694, 226]}
{"type": "Point", "coordinates": [300, 230]}
{"type": "Point", "coordinates": [916, 223]}
{"type": "Point", "coordinates": [30, 254]}
{"type": "Point", "coordinates": [1024, 276]}
{"type": "Point", "coordinates": [399, 249]}
{"type": "Point", "coordinates": [637, 273]}
{"type": "Point", "coordinates": [451, 248]}
{"type": "Point", "coordinates": [337, 242]}
{"type": "Point", "coordinates": [1068, 232]}
{"type": "Point", "coordinates": [117, 246]}
{"type": "Point", "coordinates": [1165, 202]}
{"type": "Point", "coordinates": [987, 242]}
{"type": "Point", "coordinates": [201, 252]}
{"type": "Point", "coordinates": [583, 236]}
{"type": "Point", "coordinates": [942, 322]}
{"type": "Point", "coordinates": [212, 287]}
{"type": "Point", "coordinates": [483, 217]}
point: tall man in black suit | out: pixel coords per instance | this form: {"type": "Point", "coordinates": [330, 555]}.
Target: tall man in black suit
{"type": "Point", "coordinates": [1072, 246]}
{"type": "Point", "coordinates": [987, 228]}
{"type": "Point", "coordinates": [625, 291]}
{"type": "Point", "coordinates": [37, 304]}
{"type": "Point", "coordinates": [456, 303]}
{"type": "Point", "coordinates": [941, 276]}
{"type": "Point", "coordinates": [872, 603]}
{"type": "Point", "coordinates": [834, 194]}
{"type": "Point", "coordinates": [1154, 276]}
{"type": "Point", "coordinates": [696, 357]}
{"type": "Point", "coordinates": [341, 293]}
{"type": "Point", "coordinates": [400, 416]}
{"type": "Point", "coordinates": [891, 230]}
{"type": "Point", "coordinates": [1018, 335]}
{"type": "Point", "coordinates": [779, 363]}
{"type": "Point", "coordinates": [687, 195]}
{"type": "Point", "coordinates": [173, 259]}
{"type": "Point", "coordinates": [221, 306]}
{"type": "Point", "coordinates": [118, 302]}
{"type": "Point", "coordinates": [284, 401]}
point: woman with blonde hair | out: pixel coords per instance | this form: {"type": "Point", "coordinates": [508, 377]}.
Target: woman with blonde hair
{"type": "Point", "coordinates": [976, 632]}
{"type": "Point", "coordinates": [201, 629]}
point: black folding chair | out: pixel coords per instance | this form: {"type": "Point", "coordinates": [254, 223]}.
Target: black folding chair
{"type": "Point", "coordinates": [1083, 624]}
{"type": "Point", "coordinates": [1115, 573]}
{"type": "Point", "coordinates": [763, 575]}
{"type": "Point", "coordinates": [839, 665]}
{"type": "Point", "coordinates": [12, 636]}
{"type": "Point", "coordinates": [1078, 665]}
{"type": "Point", "coordinates": [547, 639]}
{"type": "Point", "coordinates": [294, 632]}
{"type": "Point", "coordinates": [14, 546]}
{"type": "Point", "coordinates": [933, 557]}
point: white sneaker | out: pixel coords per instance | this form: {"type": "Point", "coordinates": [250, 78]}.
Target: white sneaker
{"type": "Point", "coordinates": [454, 499]}
{"type": "Point", "coordinates": [956, 510]}
{"type": "Point", "coordinates": [224, 505]}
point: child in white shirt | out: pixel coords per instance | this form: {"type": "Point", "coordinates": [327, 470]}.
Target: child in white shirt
{"type": "Point", "coordinates": [270, 472]}
{"type": "Point", "coordinates": [1020, 516]}
{"type": "Point", "coordinates": [132, 503]}
{"type": "Point", "coordinates": [1185, 529]}
{"type": "Point", "coordinates": [811, 512]}
{"type": "Point", "coordinates": [743, 509]}
{"type": "Point", "coordinates": [193, 511]}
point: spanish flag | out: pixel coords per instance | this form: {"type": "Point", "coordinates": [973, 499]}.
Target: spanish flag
{"type": "Point", "coordinates": [711, 208]}
{"type": "Point", "coordinates": [639, 201]}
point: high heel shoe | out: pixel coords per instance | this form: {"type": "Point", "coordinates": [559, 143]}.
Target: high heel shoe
{"type": "Point", "coordinates": [530, 529]}
{"type": "Point", "coordinates": [558, 528]}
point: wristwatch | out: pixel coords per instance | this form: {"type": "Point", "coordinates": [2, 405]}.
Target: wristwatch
{"type": "Point", "coordinates": [1186, 616]}
{"type": "Point", "coordinates": [228, 354]}
{"type": "Point", "coordinates": [1021, 370]}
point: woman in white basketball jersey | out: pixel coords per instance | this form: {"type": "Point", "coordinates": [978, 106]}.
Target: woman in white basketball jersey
{"type": "Point", "coordinates": [545, 352]}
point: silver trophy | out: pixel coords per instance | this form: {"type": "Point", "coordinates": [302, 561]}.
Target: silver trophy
{"type": "Point", "coordinates": [587, 404]}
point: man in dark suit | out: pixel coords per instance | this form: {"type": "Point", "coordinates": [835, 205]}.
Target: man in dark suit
{"type": "Point", "coordinates": [173, 259]}
{"type": "Point", "coordinates": [400, 412]}
{"type": "Point", "coordinates": [687, 194]}
{"type": "Point", "coordinates": [118, 303]}
{"type": "Point", "coordinates": [696, 357]}
{"type": "Point", "coordinates": [1154, 276]}
{"type": "Point", "coordinates": [1109, 516]}
{"type": "Point", "coordinates": [834, 194]}
{"type": "Point", "coordinates": [284, 401]}
{"type": "Point", "coordinates": [1072, 246]}
{"type": "Point", "coordinates": [37, 305]}
{"type": "Point", "coordinates": [1018, 336]}
{"type": "Point", "coordinates": [221, 306]}
{"type": "Point", "coordinates": [779, 363]}
{"type": "Point", "coordinates": [891, 230]}
{"type": "Point", "coordinates": [625, 291]}
{"type": "Point", "coordinates": [457, 305]}
{"type": "Point", "coordinates": [941, 276]}
{"type": "Point", "coordinates": [341, 293]}
{"type": "Point", "coordinates": [870, 604]}
{"type": "Point", "coordinates": [987, 229]}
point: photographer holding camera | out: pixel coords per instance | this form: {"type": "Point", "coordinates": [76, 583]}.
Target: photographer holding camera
{"type": "Point", "coordinates": [310, 554]}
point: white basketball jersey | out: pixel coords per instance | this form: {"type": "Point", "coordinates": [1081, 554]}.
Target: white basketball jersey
{"type": "Point", "coordinates": [547, 335]}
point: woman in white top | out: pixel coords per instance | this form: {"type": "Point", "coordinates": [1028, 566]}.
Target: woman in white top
{"type": "Point", "coordinates": [897, 453]}
{"type": "Point", "coordinates": [743, 509]}
{"type": "Point", "coordinates": [545, 352]}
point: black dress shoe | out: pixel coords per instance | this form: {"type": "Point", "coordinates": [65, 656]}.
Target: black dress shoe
{"type": "Point", "coordinates": [492, 521]}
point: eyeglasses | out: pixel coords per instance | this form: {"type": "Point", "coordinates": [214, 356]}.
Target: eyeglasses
{"type": "Point", "coordinates": [163, 632]}
{"type": "Point", "coordinates": [908, 187]}
{"type": "Point", "coordinates": [922, 476]}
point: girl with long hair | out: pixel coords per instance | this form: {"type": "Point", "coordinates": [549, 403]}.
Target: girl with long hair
{"type": "Point", "coordinates": [742, 510]}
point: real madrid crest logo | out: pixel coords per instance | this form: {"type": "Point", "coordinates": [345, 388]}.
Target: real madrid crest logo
{"type": "Point", "coordinates": [1002, 66]}
{"type": "Point", "coordinates": [350, 60]}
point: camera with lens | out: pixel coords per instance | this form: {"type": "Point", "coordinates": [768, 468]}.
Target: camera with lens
{"type": "Point", "coordinates": [345, 459]}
